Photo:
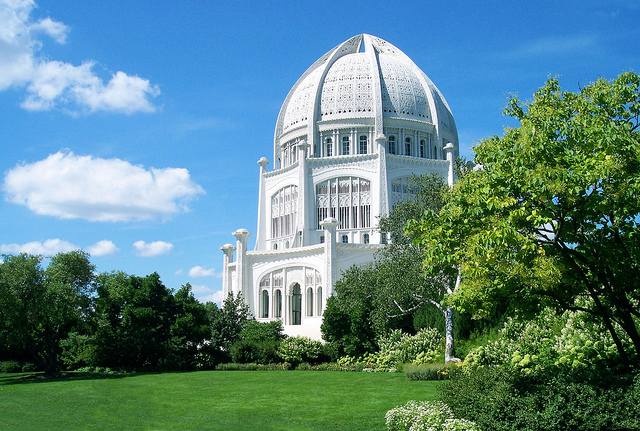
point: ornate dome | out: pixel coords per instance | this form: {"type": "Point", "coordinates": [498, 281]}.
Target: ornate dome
{"type": "Point", "coordinates": [363, 81]}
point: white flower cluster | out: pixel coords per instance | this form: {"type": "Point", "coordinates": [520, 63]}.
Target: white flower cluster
{"type": "Point", "coordinates": [426, 416]}
{"type": "Point", "coordinates": [551, 339]}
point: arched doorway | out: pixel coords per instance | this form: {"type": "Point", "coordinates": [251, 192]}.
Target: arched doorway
{"type": "Point", "coordinates": [296, 305]}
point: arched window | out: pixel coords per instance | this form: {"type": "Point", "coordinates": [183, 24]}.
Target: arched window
{"type": "Point", "coordinates": [347, 197]}
{"type": "Point", "coordinates": [296, 305]}
{"type": "Point", "coordinates": [363, 145]}
{"type": "Point", "coordinates": [277, 306]}
{"type": "Point", "coordinates": [392, 144]}
{"type": "Point", "coordinates": [422, 148]}
{"type": "Point", "coordinates": [321, 239]}
{"type": "Point", "coordinates": [309, 301]}
{"type": "Point", "coordinates": [329, 147]}
{"type": "Point", "coordinates": [345, 239]}
{"type": "Point", "coordinates": [284, 211]}
{"type": "Point", "coordinates": [407, 146]}
{"type": "Point", "coordinates": [365, 238]}
{"type": "Point", "coordinates": [264, 304]}
{"type": "Point", "coordinates": [435, 152]}
{"type": "Point", "coordinates": [319, 301]}
{"type": "Point", "coordinates": [345, 145]}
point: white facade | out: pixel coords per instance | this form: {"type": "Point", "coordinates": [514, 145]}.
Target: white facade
{"type": "Point", "coordinates": [352, 130]}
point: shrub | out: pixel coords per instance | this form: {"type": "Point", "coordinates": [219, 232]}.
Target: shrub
{"type": "Point", "coordinates": [397, 348]}
{"type": "Point", "coordinates": [233, 366]}
{"type": "Point", "coordinates": [300, 349]}
{"type": "Point", "coordinates": [425, 415]}
{"type": "Point", "coordinates": [10, 367]}
{"type": "Point", "coordinates": [429, 371]}
{"type": "Point", "coordinates": [549, 341]}
{"type": "Point", "coordinates": [502, 398]}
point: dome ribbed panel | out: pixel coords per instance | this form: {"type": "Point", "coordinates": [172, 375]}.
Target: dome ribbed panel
{"type": "Point", "coordinates": [402, 93]}
{"type": "Point", "coordinates": [347, 88]}
{"type": "Point", "coordinates": [299, 107]}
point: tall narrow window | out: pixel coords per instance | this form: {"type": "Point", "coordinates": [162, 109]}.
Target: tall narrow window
{"type": "Point", "coordinates": [265, 304]}
{"type": "Point", "coordinates": [363, 145]}
{"type": "Point", "coordinates": [365, 238]}
{"type": "Point", "coordinates": [422, 148]}
{"type": "Point", "coordinates": [309, 301]}
{"type": "Point", "coordinates": [277, 306]}
{"type": "Point", "coordinates": [392, 144]}
{"type": "Point", "coordinates": [345, 145]}
{"type": "Point", "coordinates": [296, 305]}
{"type": "Point", "coordinates": [319, 301]}
{"type": "Point", "coordinates": [329, 147]}
{"type": "Point", "coordinates": [345, 239]}
{"type": "Point", "coordinates": [407, 146]}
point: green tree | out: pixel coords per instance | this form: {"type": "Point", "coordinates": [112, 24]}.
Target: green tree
{"type": "Point", "coordinates": [552, 216]}
{"type": "Point", "coordinates": [348, 319]}
{"type": "Point", "coordinates": [135, 318]}
{"type": "Point", "coordinates": [189, 330]}
{"type": "Point", "coordinates": [39, 308]}
{"type": "Point", "coordinates": [226, 324]}
{"type": "Point", "coordinates": [258, 342]}
{"type": "Point", "coordinates": [404, 286]}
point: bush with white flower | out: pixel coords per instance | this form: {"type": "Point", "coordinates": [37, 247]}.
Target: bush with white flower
{"type": "Point", "coordinates": [426, 416]}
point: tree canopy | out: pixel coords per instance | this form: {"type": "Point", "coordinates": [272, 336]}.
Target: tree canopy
{"type": "Point", "coordinates": [551, 214]}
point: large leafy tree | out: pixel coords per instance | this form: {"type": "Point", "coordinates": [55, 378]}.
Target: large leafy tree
{"type": "Point", "coordinates": [552, 215]}
{"type": "Point", "coordinates": [135, 318]}
{"type": "Point", "coordinates": [39, 307]}
{"type": "Point", "coordinates": [404, 286]}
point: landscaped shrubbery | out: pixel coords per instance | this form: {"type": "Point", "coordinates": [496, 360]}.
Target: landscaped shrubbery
{"type": "Point", "coordinates": [425, 415]}
{"type": "Point", "coordinates": [505, 399]}
{"type": "Point", "coordinates": [564, 340]}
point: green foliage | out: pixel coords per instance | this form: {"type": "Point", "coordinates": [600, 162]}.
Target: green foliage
{"type": "Point", "coordinates": [300, 349]}
{"type": "Point", "coordinates": [552, 217]}
{"type": "Point", "coordinates": [429, 371]}
{"type": "Point", "coordinates": [258, 343]}
{"type": "Point", "coordinates": [426, 415]}
{"type": "Point", "coordinates": [398, 348]}
{"type": "Point", "coordinates": [551, 340]}
{"type": "Point", "coordinates": [500, 398]}
{"type": "Point", "coordinates": [38, 307]}
{"type": "Point", "coordinates": [227, 323]}
{"type": "Point", "coordinates": [347, 320]}
{"type": "Point", "coordinates": [10, 367]}
{"type": "Point", "coordinates": [252, 366]}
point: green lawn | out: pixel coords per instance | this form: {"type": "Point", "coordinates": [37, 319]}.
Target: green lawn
{"type": "Point", "coordinates": [208, 400]}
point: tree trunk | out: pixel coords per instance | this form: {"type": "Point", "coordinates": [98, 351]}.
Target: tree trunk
{"type": "Point", "coordinates": [449, 351]}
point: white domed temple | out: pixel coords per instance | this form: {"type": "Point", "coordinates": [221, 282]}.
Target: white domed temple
{"type": "Point", "coordinates": [351, 132]}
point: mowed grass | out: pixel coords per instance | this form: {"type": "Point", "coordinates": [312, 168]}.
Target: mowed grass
{"type": "Point", "coordinates": [208, 400]}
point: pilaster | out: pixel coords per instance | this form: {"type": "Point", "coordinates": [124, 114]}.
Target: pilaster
{"type": "Point", "coordinates": [330, 225]}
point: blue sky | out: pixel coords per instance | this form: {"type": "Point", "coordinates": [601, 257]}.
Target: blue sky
{"type": "Point", "coordinates": [132, 129]}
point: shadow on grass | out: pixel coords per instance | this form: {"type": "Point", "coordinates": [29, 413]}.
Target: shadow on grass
{"type": "Point", "coordinates": [24, 378]}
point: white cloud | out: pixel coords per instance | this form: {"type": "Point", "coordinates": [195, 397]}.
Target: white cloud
{"type": "Point", "coordinates": [179, 272]}
{"type": "Point", "coordinates": [46, 248]}
{"type": "Point", "coordinates": [151, 249]}
{"type": "Point", "coordinates": [198, 271]}
{"type": "Point", "coordinates": [68, 186]}
{"type": "Point", "coordinates": [559, 45]}
{"type": "Point", "coordinates": [206, 294]}
{"type": "Point", "coordinates": [52, 83]}
{"type": "Point", "coordinates": [103, 248]}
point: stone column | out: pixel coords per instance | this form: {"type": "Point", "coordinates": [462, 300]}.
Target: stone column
{"type": "Point", "coordinates": [241, 257]}
{"type": "Point", "coordinates": [261, 235]}
{"type": "Point", "coordinates": [448, 149]}
{"type": "Point", "coordinates": [303, 218]}
{"type": "Point", "coordinates": [228, 250]}
{"type": "Point", "coordinates": [330, 225]}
